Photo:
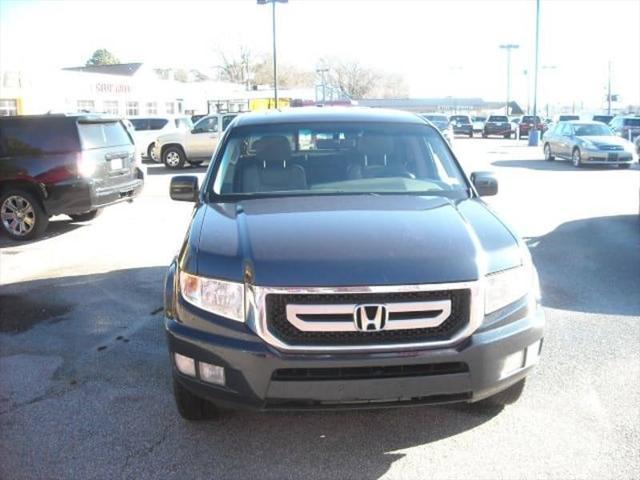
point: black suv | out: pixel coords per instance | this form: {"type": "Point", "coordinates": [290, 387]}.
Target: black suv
{"type": "Point", "coordinates": [497, 125]}
{"type": "Point", "coordinates": [342, 258]}
{"type": "Point", "coordinates": [62, 164]}
{"type": "Point", "coordinates": [461, 125]}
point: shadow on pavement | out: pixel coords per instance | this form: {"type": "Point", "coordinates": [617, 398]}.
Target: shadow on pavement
{"type": "Point", "coordinates": [113, 387]}
{"type": "Point", "coordinates": [556, 165]}
{"type": "Point", "coordinates": [591, 265]}
{"type": "Point", "coordinates": [160, 169]}
{"type": "Point", "coordinates": [55, 228]}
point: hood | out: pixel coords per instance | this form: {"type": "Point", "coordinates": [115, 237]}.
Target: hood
{"type": "Point", "coordinates": [605, 140]}
{"type": "Point", "coordinates": [352, 241]}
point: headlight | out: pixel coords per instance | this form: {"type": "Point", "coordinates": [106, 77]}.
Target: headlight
{"type": "Point", "coordinates": [216, 296]}
{"type": "Point", "coordinates": [508, 286]}
{"type": "Point", "coordinates": [590, 146]}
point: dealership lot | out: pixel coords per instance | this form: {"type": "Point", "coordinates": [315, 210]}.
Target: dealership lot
{"type": "Point", "coordinates": [84, 373]}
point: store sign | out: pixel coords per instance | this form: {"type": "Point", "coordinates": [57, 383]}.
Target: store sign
{"type": "Point", "coordinates": [113, 88]}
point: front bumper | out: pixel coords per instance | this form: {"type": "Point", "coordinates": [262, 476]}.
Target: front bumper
{"type": "Point", "coordinates": [604, 157]}
{"type": "Point", "coordinates": [250, 365]}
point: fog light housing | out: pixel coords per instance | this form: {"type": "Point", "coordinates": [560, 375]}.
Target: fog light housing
{"type": "Point", "coordinates": [185, 365]}
{"type": "Point", "coordinates": [512, 363]}
{"type": "Point", "coordinates": [211, 373]}
{"type": "Point", "coordinates": [532, 354]}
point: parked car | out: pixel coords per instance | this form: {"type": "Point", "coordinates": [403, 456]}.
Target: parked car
{"type": "Point", "coordinates": [441, 122]}
{"type": "Point", "coordinates": [147, 129]}
{"type": "Point", "coordinates": [194, 146]}
{"type": "Point", "coordinates": [587, 143]}
{"type": "Point", "coordinates": [478, 123]}
{"type": "Point", "coordinates": [627, 127]}
{"type": "Point", "coordinates": [603, 118]}
{"type": "Point", "coordinates": [62, 164]}
{"type": "Point", "coordinates": [366, 272]}
{"type": "Point", "coordinates": [637, 143]}
{"type": "Point", "coordinates": [568, 118]}
{"type": "Point", "coordinates": [497, 125]}
{"type": "Point", "coordinates": [461, 125]}
{"type": "Point", "coordinates": [528, 122]}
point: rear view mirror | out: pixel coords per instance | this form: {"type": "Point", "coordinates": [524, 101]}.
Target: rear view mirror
{"type": "Point", "coordinates": [485, 183]}
{"type": "Point", "coordinates": [184, 188]}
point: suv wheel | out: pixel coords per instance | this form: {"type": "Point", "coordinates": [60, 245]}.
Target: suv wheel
{"type": "Point", "coordinates": [190, 406]}
{"type": "Point", "coordinates": [576, 159]}
{"type": "Point", "coordinates": [21, 215]}
{"type": "Point", "coordinates": [173, 157]}
{"type": "Point", "coordinates": [85, 217]}
{"type": "Point", "coordinates": [151, 155]}
{"type": "Point", "coordinates": [548, 156]}
{"type": "Point", "coordinates": [506, 397]}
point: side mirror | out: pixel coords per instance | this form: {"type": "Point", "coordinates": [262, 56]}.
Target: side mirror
{"type": "Point", "coordinates": [184, 188]}
{"type": "Point", "coordinates": [485, 182]}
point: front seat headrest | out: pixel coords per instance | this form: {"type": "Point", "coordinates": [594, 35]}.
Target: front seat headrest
{"type": "Point", "coordinates": [273, 149]}
{"type": "Point", "coordinates": [375, 145]}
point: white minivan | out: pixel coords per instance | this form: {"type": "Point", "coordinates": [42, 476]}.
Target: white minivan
{"type": "Point", "coordinates": [147, 129]}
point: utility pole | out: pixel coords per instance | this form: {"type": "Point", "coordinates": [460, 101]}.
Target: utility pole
{"type": "Point", "coordinates": [322, 71]}
{"type": "Point", "coordinates": [609, 91]}
{"type": "Point", "coordinates": [508, 47]}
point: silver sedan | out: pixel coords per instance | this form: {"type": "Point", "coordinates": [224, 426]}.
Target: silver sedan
{"type": "Point", "coordinates": [586, 143]}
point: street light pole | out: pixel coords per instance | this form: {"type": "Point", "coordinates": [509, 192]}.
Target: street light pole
{"type": "Point", "coordinates": [534, 135]}
{"type": "Point", "coordinates": [275, 61]}
{"type": "Point", "coordinates": [508, 47]}
{"type": "Point", "coordinates": [609, 91]}
{"type": "Point", "coordinates": [322, 71]}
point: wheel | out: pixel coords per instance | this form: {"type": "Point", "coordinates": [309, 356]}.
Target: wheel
{"type": "Point", "coordinates": [506, 397]}
{"type": "Point", "coordinates": [484, 135]}
{"type": "Point", "coordinates": [506, 135]}
{"type": "Point", "coordinates": [173, 157]}
{"type": "Point", "coordinates": [151, 153]}
{"type": "Point", "coordinates": [22, 215]}
{"type": "Point", "coordinates": [470, 134]}
{"type": "Point", "coordinates": [624, 165]}
{"type": "Point", "coordinates": [85, 217]}
{"type": "Point", "coordinates": [548, 156]}
{"type": "Point", "coordinates": [190, 406]}
{"type": "Point", "coordinates": [576, 159]}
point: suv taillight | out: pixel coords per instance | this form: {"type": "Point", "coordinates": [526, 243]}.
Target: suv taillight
{"type": "Point", "coordinates": [86, 165]}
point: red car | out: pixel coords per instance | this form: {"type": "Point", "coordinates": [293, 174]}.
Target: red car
{"type": "Point", "coordinates": [528, 122]}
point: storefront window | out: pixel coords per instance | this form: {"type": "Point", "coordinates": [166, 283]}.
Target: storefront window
{"type": "Point", "coordinates": [152, 108]}
{"type": "Point", "coordinates": [86, 106]}
{"type": "Point", "coordinates": [111, 106]}
{"type": "Point", "coordinates": [8, 107]}
{"type": "Point", "coordinates": [170, 107]}
{"type": "Point", "coordinates": [132, 108]}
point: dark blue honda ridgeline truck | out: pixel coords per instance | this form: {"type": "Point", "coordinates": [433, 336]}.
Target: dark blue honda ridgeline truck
{"type": "Point", "coordinates": [340, 258]}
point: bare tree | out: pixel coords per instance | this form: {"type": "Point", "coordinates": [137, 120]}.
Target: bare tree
{"type": "Point", "coordinates": [236, 68]}
{"type": "Point", "coordinates": [352, 78]}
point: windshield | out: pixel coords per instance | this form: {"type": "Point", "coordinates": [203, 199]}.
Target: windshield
{"type": "Point", "coordinates": [591, 129]}
{"type": "Point", "coordinates": [565, 118]}
{"type": "Point", "coordinates": [632, 122]}
{"type": "Point", "coordinates": [498, 118]}
{"type": "Point", "coordinates": [337, 158]}
{"type": "Point", "coordinates": [479, 119]}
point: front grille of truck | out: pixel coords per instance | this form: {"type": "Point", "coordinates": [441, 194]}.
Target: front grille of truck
{"type": "Point", "coordinates": [367, 373]}
{"type": "Point", "coordinates": [280, 327]}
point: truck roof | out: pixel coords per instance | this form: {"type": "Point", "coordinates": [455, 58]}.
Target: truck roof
{"type": "Point", "coordinates": [327, 114]}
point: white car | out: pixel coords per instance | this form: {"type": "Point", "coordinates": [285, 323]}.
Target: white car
{"type": "Point", "coordinates": [147, 129]}
{"type": "Point", "coordinates": [193, 146]}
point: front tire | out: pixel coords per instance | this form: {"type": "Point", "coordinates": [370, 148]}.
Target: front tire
{"type": "Point", "coordinates": [85, 217]}
{"type": "Point", "coordinates": [624, 165]}
{"type": "Point", "coordinates": [151, 153]}
{"type": "Point", "coordinates": [548, 156]}
{"type": "Point", "coordinates": [21, 215]}
{"type": "Point", "coordinates": [576, 158]}
{"type": "Point", "coordinates": [190, 406]}
{"type": "Point", "coordinates": [173, 157]}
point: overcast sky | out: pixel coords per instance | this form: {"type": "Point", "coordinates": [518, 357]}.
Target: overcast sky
{"type": "Point", "coordinates": [441, 47]}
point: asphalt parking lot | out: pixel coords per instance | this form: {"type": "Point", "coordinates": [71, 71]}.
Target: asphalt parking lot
{"type": "Point", "coordinates": [84, 372]}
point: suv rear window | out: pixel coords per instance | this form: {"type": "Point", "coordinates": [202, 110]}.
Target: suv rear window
{"type": "Point", "coordinates": [498, 118]}
{"type": "Point", "coordinates": [460, 119]}
{"type": "Point", "coordinates": [37, 136]}
{"type": "Point", "coordinates": [103, 134]}
{"type": "Point", "coordinates": [530, 119]}
{"type": "Point", "coordinates": [157, 123]}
